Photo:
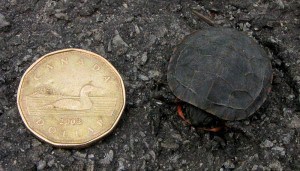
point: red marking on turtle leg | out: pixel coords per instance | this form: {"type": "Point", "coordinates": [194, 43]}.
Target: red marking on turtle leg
{"type": "Point", "coordinates": [181, 114]}
{"type": "Point", "coordinates": [216, 129]}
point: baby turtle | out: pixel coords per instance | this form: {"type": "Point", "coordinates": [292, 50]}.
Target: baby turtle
{"type": "Point", "coordinates": [219, 72]}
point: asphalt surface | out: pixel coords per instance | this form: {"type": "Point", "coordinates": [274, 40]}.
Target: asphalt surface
{"type": "Point", "coordinates": [138, 37]}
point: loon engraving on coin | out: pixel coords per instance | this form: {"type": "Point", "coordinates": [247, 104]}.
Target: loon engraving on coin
{"type": "Point", "coordinates": [71, 97]}
{"type": "Point", "coordinates": [83, 103]}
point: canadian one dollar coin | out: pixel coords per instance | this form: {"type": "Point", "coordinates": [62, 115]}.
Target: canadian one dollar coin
{"type": "Point", "coordinates": [71, 98]}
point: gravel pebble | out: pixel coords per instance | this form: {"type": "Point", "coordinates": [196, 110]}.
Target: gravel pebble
{"type": "Point", "coordinates": [280, 4]}
{"type": "Point", "coordinates": [279, 150]}
{"type": "Point", "coordinates": [143, 77]}
{"type": "Point", "coordinates": [41, 165]}
{"type": "Point", "coordinates": [51, 163]}
{"type": "Point", "coordinates": [286, 138]}
{"type": "Point", "coordinates": [119, 44]}
{"type": "Point", "coordinates": [144, 58]}
{"type": "Point", "coordinates": [169, 145]}
{"type": "Point", "coordinates": [276, 166]}
{"type": "Point", "coordinates": [121, 166]}
{"type": "Point", "coordinates": [107, 158]}
{"type": "Point", "coordinates": [153, 155]}
{"type": "Point", "coordinates": [266, 144]}
{"type": "Point", "coordinates": [35, 143]}
{"type": "Point", "coordinates": [295, 122]}
{"type": "Point", "coordinates": [61, 16]}
{"type": "Point", "coordinates": [154, 74]}
{"type": "Point", "coordinates": [91, 156]}
{"type": "Point", "coordinates": [80, 155]}
{"type": "Point", "coordinates": [228, 165]}
{"type": "Point", "coordinates": [258, 168]}
{"type": "Point", "coordinates": [296, 78]}
{"type": "Point", "coordinates": [3, 21]}
{"type": "Point", "coordinates": [137, 29]}
{"type": "Point", "coordinates": [90, 166]}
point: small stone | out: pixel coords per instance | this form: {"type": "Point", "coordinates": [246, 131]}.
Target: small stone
{"type": "Point", "coordinates": [142, 134]}
{"type": "Point", "coordinates": [295, 122]}
{"type": "Point", "coordinates": [280, 3]}
{"type": "Point", "coordinates": [50, 163]}
{"type": "Point", "coordinates": [26, 145]}
{"type": "Point", "coordinates": [144, 58]}
{"type": "Point", "coordinates": [228, 165]}
{"type": "Point", "coordinates": [169, 145]}
{"type": "Point", "coordinates": [287, 111]}
{"type": "Point", "coordinates": [26, 58]}
{"type": "Point", "coordinates": [275, 41]}
{"type": "Point", "coordinates": [291, 97]}
{"type": "Point", "coordinates": [152, 154]}
{"type": "Point", "coordinates": [120, 45]}
{"type": "Point", "coordinates": [35, 143]}
{"type": "Point", "coordinates": [286, 138]}
{"type": "Point", "coordinates": [98, 36]}
{"type": "Point", "coordinates": [248, 25]}
{"type": "Point", "coordinates": [276, 166]}
{"type": "Point", "coordinates": [3, 22]}
{"type": "Point", "coordinates": [279, 150]}
{"type": "Point", "coordinates": [118, 41]}
{"type": "Point", "coordinates": [91, 156]}
{"type": "Point", "coordinates": [130, 19]}
{"type": "Point", "coordinates": [107, 158]}
{"type": "Point", "coordinates": [143, 77]}
{"type": "Point", "coordinates": [61, 16]}
{"type": "Point", "coordinates": [297, 78]}
{"type": "Point", "coordinates": [154, 73]}
{"type": "Point", "coordinates": [137, 29]}
{"type": "Point", "coordinates": [77, 154]}
{"type": "Point", "coordinates": [86, 10]}
{"type": "Point", "coordinates": [109, 46]}
{"type": "Point", "coordinates": [126, 148]}
{"type": "Point", "coordinates": [121, 164]}
{"type": "Point", "coordinates": [101, 50]}
{"type": "Point", "coordinates": [257, 168]}
{"type": "Point", "coordinates": [177, 136]}
{"type": "Point", "coordinates": [15, 40]}
{"type": "Point", "coordinates": [41, 165]}
{"type": "Point", "coordinates": [13, 2]}
{"type": "Point", "coordinates": [125, 5]}
{"type": "Point", "coordinates": [90, 166]}
{"type": "Point", "coordinates": [100, 18]}
{"type": "Point", "coordinates": [256, 28]}
{"type": "Point", "coordinates": [174, 158]}
{"type": "Point", "coordinates": [266, 144]}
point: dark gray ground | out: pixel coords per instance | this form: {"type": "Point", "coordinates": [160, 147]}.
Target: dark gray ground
{"type": "Point", "coordinates": [137, 37]}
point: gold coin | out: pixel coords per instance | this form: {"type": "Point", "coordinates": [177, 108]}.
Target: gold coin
{"type": "Point", "coordinates": [71, 98]}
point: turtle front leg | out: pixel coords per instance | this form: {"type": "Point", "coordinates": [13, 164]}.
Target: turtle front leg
{"type": "Point", "coordinates": [181, 114]}
{"type": "Point", "coordinates": [199, 119]}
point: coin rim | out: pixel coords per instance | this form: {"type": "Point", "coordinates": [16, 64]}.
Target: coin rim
{"type": "Point", "coordinates": [66, 145]}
